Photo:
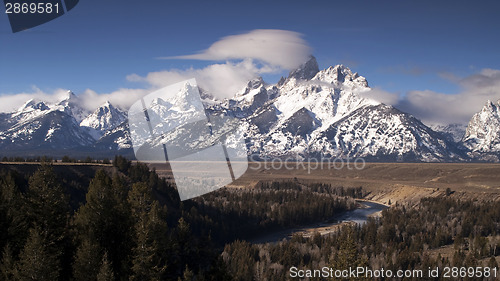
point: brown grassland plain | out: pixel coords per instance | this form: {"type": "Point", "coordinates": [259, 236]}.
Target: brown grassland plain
{"type": "Point", "coordinates": [397, 182]}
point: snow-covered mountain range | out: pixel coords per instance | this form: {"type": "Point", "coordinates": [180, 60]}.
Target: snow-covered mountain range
{"type": "Point", "coordinates": [60, 128]}
{"type": "Point", "coordinates": [311, 113]}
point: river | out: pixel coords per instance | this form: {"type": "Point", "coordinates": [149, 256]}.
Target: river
{"type": "Point", "coordinates": [359, 215]}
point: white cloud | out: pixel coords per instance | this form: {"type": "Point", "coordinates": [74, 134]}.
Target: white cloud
{"type": "Point", "coordinates": [11, 102]}
{"type": "Point", "coordinates": [282, 48]}
{"type": "Point", "coordinates": [122, 98]}
{"type": "Point", "coordinates": [380, 95]}
{"type": "Point", "coordinates": [221, 80]}
{"type": "Point", "coordinates": [438, 108]}
{"type": "Point", "coordinates": [90, 100]}
{"type": "Point", "coordinates": [246, 56]}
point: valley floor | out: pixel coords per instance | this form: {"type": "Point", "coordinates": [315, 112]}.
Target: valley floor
{"type": "Point", "coordinates": [387, 183]}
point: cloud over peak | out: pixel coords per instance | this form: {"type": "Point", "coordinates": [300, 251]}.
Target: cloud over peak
{"type": "Point", "coordinates": [245, 57]}
{"type": "Point", "coordinates": [283, 48]}
{"type": "Point", "coordinates": [439, 108]}
{"type": "Point", "coordinates": [221, 80]}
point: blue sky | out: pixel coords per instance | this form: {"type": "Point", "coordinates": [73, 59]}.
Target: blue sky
{"type": "Point", "coordinates": [402, 47]}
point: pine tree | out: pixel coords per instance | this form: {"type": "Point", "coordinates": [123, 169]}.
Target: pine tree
{"type": "Point", "coordinates": [87, 261]}
{"type": "Point", "coordinates": [106, 270]}
{"type": "Point", "coordinates": [4, 214]}
{"type": "Point", "coordinates": [7, 269]}
{"type": "Point", "coordinates": [12, 218]}
{"type": "Point", "coordinates": [140, 200]}
{"type": "Point", "coordinates": [121, 163]}
{"type": "Point", "coordinates": [47, 207]}
{"type": "Point", "coordinates": [348, 254]}
{"type": "Point", "coordinates": [148, 262]}
{"type": "Point", "coordinates": [36, 262]}
{"type": "Point", "coordinates": [188, 275]}
{"type": "Point", "coordinates": [105, 220]}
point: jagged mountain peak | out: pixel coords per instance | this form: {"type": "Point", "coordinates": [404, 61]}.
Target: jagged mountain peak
{"type": "Point", "coordinates": [483, 131]}
{"type": "Point", "coordinates": [249, 99]}
{"type": "Point", "coordinates": [340, 74]}
{"type": "Point", "coordinates": [67, 98]}
{"type": "Point", "coordinates": [489, 110]}
{"type": "Point", "coordinates": [110, 107]}
{"type": "Point", "coordinates": [255, 83]}
{"type": "Point", "coordinates": [206, 96]}
{"type": "Point", "coordinates": [28, 103]}
{"type": "Point", "coordinates": [306, 71]}
{"type": "Point", "coordinates": [70, 95]}
{"type": "Point", "coordinates": [104, 118]}
{"type": "Point", "coordinates": [491, 106]}
{"type": "Point", "coordinates": [33, 104]}
{"type": "Point", "coordinates": [330, 94]}
{"type": "Point", "coordinates": [71, 104]}
{"type": "Point", "coordinates": [187, 99]}
{"type": "Point", "coordinates": [107, 107]}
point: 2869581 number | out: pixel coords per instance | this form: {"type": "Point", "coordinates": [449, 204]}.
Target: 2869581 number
{"type": "Point", "coordinates": [462, 272]}
{"type": "Point", "coordinates": [31, 8]}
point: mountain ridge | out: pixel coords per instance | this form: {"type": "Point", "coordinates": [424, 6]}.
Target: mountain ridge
{"type": "Point", "coordinates": [311, 113]}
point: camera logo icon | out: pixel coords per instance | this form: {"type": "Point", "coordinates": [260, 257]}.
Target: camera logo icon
{"type": "Point", "coordinates": [171, 126]}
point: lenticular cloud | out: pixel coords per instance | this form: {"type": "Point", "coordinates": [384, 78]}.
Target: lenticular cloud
{"type": "Point", "coordinates": [281, 48]}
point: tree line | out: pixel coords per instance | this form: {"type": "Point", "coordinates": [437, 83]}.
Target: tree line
{"type": "Point", "coordinates": [120, 232]}
{"type": "Point", "coordinates": [269, 206]}
{"type": "Point", "coordinates": [399, 240]}
{"type": "Point", "coordinates": [48, 159]}
{"type": "Point", "coordinates": [131, 225]}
